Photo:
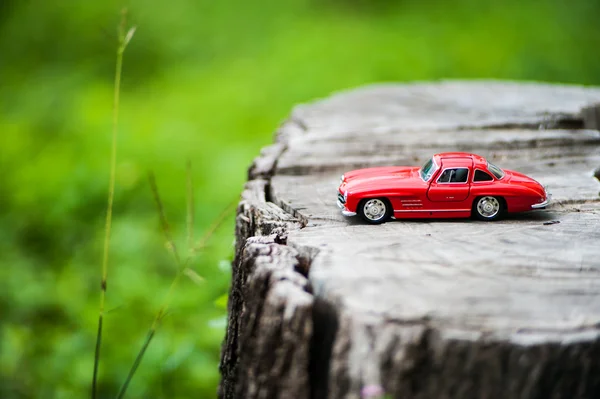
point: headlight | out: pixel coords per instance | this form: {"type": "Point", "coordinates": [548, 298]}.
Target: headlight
{"type": "Point", "coordinates": [341, 179]}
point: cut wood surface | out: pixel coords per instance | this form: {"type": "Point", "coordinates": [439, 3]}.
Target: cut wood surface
{"type": "Point", "coordinates": [322, 306]}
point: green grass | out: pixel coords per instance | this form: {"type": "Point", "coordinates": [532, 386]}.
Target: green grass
{"type": "Point", "coordinates": [209, 82]}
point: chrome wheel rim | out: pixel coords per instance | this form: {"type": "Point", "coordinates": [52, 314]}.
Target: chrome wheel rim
{"type": "Point", "coordinates": [374, 209]}
{"type": "Point", "coordinates": [488, 207]}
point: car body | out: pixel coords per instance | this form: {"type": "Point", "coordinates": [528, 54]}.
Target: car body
{"type": "Point", "coordinates": [449, 185]}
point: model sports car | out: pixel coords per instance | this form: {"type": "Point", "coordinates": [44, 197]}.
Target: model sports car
{"type": "Point", "coordinates": [449, 185]}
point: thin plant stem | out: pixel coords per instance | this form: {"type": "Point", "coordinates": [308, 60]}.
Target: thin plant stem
{"type": "Point", "coordinates": [181, 269]}
{"type": "Point", "coordinates": [151, 332]}
{"type": "Point", "coordinates": [190, 208]}
{"type": "Point", "coordinates": [164, 223]}
{"type": "Point", "coordinates": [211, 230]}
{"type": "Point", "coordinates": [163, 309]}
{"type": "Point", "coordinates": [123, 40]}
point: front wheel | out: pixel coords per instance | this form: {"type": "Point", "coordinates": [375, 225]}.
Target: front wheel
{"type": "Point", "coordinates": [375, 210]}
{"type": "Point", "coordinates": [488, 208]}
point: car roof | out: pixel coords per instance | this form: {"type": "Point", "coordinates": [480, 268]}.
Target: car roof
{"type": "Point", "coordinates": [449, 159]}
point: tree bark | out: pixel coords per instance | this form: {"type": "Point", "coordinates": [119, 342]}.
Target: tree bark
{"type": "Point", "coordinates": [323, 306]}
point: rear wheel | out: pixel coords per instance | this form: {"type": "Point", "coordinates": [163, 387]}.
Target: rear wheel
{"type": "Point", "coordinates": [489, 208]}
{"type": "Point", "coordinates": [375, 210]}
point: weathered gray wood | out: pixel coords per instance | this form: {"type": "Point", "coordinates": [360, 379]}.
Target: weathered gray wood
{"type": "Point", "coordinates": [322, 306]}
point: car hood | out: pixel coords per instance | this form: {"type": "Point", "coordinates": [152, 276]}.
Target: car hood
{"type": "Point", "coordinates": [379, 178]}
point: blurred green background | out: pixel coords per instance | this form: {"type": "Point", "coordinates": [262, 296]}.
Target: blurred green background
{"type": "Point", "coordinates": [207, 81]}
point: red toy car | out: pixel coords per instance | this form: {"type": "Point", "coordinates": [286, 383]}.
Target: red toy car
{"type": "Point", "coordinates": [449, 185]}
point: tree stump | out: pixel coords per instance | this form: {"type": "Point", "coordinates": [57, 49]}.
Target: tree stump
{"type": "Point", "coordinates": [323, 306]}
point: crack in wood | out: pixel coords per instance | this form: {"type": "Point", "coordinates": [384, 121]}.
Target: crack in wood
{"type": "Point", "coordinates": [548, 122]}
{"type": "Point", "coordinates": [595, 327]}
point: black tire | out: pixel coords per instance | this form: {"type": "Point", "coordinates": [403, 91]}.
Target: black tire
{"type": "Point", "coordinates": [489, 208]}
{"type": "Point", "coordinates": [375, 210]}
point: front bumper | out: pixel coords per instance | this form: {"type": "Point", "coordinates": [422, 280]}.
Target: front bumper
{"type": "Point", "coordinates": [345, 211]}
{"type": "Point", "coordinates": [543, 204]}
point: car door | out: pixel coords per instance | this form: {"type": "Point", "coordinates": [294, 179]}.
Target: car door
{"type": "Point", "coordinates": [452, 185]}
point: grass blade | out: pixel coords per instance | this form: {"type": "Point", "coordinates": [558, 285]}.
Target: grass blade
{"type": "Point", "coordinates": [97, 354]}
{"type": "Point", "coordinates": [192, 275]}
{"type": "Point", "coordinates": [136, 364]}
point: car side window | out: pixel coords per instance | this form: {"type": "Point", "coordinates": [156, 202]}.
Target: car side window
{"type": "Point", "coordinates": [480, 175]}
{"type": "Point", "coordinates": [455, 175]}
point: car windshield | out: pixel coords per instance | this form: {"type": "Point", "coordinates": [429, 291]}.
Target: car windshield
{"type": "Point", "coordinates": [427, 170]}
{"type": "Point", "coordinates": [496, 171]}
